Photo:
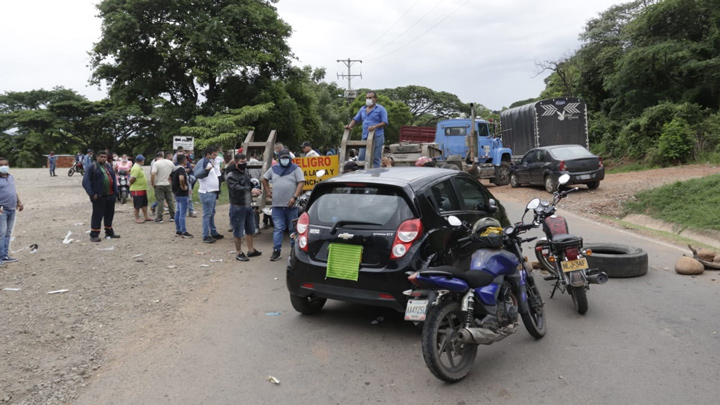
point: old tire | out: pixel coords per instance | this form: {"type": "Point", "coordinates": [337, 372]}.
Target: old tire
{"type": "Point", "coordinates": [551, 185]}
{"type": "Point", "coordinates": [618, 261]}
{"type": "Point", "coordinates": [502, 174]}
{"type": "Point", "coordinates": [514, 183]}
{"type": "Point", "coordinates": [594, 185]}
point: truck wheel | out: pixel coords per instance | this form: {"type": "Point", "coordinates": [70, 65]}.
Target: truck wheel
{"type": "Point", "coordinates": [502, 174]}
{"type": "Point", "coordinates": [514, 183]}
{"type": "Point", "coordinates": [551, 185]}
{"type": "Point", "coordinates": [593, 185]}
{"type": "Point", "coordinates": [618, 261]}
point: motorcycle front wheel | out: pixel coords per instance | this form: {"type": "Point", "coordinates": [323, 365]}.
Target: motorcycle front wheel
{"type": "Point", "coordinates": [579, 297]}
{"type": "Point", "coordinates": [534, 319]}
{"type": "Point", "coordinates": [71, 172]}
{"type": "Point", "coordinates": [448, 358]}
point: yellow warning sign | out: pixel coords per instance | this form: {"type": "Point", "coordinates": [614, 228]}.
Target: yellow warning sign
{"type": "Point", "coordinates": [312, 165]}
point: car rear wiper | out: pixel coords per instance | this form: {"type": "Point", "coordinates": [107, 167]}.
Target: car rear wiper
{"type": "Point", "coordinates": [343, 223]}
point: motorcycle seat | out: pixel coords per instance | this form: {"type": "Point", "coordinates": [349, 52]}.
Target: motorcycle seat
{"type": "Point", "coordinates": [474, 278]}
{"type": "Point", "coordinates": [566, 240]}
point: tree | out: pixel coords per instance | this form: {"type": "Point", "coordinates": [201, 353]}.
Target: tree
{"type": "Point", "coordinates": [226, 129]}
{"type": "Point", "coordinates": [427, 106]}
{"type": "Point", "coordinates": [187, 51]}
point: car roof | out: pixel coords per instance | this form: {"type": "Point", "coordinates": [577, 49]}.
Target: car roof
{"type": "Point", "coordinates": [551, 147]}
{"type": "Point", "coordinates": [414, 177]}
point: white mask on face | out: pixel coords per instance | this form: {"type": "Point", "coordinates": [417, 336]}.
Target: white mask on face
{"type": "Point", "coordinates": [368, 102]}
{"type": "Point", "coordinates": [4, 169]}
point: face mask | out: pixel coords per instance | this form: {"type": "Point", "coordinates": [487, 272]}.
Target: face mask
{"type": "Point", "coordinates": [284, 162]}
{"type": "Point", "coordinates": [4, 169]}
{"type": "Point", "coordinates": [368, 102]}
{"type": "Point", "coordinates": [124, 159]}
{"type": "Point", "coordinates": [241, 166]}
{"type": "Point", "coordinates": [192, 156]}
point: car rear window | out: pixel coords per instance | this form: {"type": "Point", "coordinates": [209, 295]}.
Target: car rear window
{"type": "Point", "coordinates": [570, 152]}
{"type": "Point", "coordinates": [361, 207]}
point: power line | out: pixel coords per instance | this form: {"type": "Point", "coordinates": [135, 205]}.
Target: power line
{"type": "Point", "coordinates": [406, 30]}
{"type": "Point", "coordinates": [391, 27]}
{"type": "Point", "coordinates": [421, 35]}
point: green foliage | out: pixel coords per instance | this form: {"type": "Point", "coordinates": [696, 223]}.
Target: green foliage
{"type": "Point", "coordinates": [674, 143]}
{"type": "Point", "coordinates": [427, 106]}
{"type": "Point", "coordinates": [227, 129]}
{"type": "Point", "coordinates": [693, 203]}
{"type": "Point", "coordinates": [398, 115]}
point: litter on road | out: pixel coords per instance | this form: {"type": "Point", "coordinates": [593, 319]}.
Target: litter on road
{"type": "Point", "coordinates": [172, 266]}
{"type": "Point", "coordinates": [67, 238]}
{"type": "Point", "coordinates": [58, 291]}
{"type": "Point", "coordinates": [136, 256]}
{"type": "Point", "coordinates": [273, 380]}
{"type": "Point", "coordinates": [215, 260]}
{"type": "Point", "coordinates": [272, 313]}
{"type": "Point", "coordinates": [11, 289]}
{"type": "Point", "coordinates": [204, 265]}
{"type": "Point", "coordinates": [110, 248]}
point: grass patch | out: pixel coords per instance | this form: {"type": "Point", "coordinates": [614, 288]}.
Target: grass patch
{"type": "Point", "coordinates": [694, 203]}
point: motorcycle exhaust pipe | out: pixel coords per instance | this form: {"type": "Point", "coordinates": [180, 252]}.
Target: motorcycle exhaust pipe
{"type": "Point", "coordinates": [478, 336]}
{"type": "Point", "coordinates": [597, 278]}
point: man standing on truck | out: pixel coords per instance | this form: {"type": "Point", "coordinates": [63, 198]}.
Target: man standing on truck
{"type": "Point", "coordinates": [373, 117]}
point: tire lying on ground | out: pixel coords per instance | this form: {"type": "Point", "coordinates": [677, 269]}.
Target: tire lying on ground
{"type": "Point", "coordinates": [618, 261]}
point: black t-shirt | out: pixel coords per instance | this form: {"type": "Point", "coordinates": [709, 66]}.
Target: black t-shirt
{"type": "Point", "coordinates": [180, 171]}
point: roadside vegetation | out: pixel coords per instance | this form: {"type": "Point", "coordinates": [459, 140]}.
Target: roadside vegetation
{"type": "Point", "coordinates": [693, 203]}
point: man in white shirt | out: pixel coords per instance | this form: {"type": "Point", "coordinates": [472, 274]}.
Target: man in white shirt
{"type": "Point", "coordinates": [308, 150]}
{"type": "Point", "coordinates": [160, 181]}
{"type": "Point", "coordinates": [208, 191]}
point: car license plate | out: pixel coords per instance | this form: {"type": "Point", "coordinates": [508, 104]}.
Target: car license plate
{"type": "Point", "coordinates": [573, 265]}
{"type": "Point", "coordinates": [415, 310]}
{"type": "Point", "coordinates": [584, 176]}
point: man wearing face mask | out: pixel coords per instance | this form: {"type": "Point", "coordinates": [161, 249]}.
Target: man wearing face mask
{"type": "Point", "coordinates": [100, 185]}
{"type": "Point", "coordinates": [9, 202]}
{"type": "Point", "coordinates": [374, 118]}
{"type": "Point", "coordinates": [242, 217]}
{"type": "Point", "coordinates": [288, 181]}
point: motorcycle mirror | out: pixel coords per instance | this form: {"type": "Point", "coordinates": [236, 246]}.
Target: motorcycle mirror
{"type": "Point", "coordinates": [563, 179]}
{"type": "Point", "coordinates": [534, 203]}
{"type": "Point", "coordinates": [454, 221]}
{"type": "Point", "coordinates": [320, 173]}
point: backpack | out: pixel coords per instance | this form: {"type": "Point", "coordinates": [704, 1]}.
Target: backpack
{"type": "Point", "coordinates": [200, 172]}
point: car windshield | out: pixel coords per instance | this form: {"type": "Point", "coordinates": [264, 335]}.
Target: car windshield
{"type": "Point", "coordinates": [570, 152]}
{"type": "Point", "coordinates": [360, 207]}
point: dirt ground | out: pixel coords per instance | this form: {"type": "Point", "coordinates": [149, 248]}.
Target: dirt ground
{"type": "Point", "coordinates": [52, 344]}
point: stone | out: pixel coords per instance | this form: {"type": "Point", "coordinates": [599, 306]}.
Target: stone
{"type": "Point", "coordinates": [706, 254]}
{"type": "Point", "coordinates": [689, 266]}
{"type": "Point", "coordinates": [717, 259]}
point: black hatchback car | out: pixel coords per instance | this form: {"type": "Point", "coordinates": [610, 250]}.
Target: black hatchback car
{"type": "Point", "coordinates": [364, 230]}
{"type": "Point", "coordinates": [543, 166]}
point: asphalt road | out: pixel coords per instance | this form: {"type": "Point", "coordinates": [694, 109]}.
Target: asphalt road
{"type": "Point", "coordinates": [648, 340]}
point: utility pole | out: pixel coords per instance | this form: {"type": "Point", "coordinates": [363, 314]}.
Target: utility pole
{"type": "Point", "coordinates": [350, 94]}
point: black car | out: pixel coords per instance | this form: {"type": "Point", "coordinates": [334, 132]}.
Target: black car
{"type": "Point", "coordinates": [364, 230]}
{"type": "Point", "coordinates": [543, 166]}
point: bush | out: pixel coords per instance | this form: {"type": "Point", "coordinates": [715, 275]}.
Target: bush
{"type": "Point", "coordinates": [675, 141]}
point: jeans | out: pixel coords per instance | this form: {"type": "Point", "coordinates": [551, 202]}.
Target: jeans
{"type": "Point", "coordinates": [180, 212]}
{"type": "Point", "coordinates": [7, 221]}
{"type": "Point", "coordinates": [103, 210]}
{"type": "Point", "coordinates": [282, 218]}
{"type": "Point", "coordinates": [164, 193]}
{"type": "Point", "coordinates": [208, 201]}
{"type": "Point", "coordinates": [378, 144]}
{"type": "Point", "coordinates": [191, 205]}
{"type": "Point", "coordinates": [52, 169]}
{"type": "Point", "coordinates": [242, 220]}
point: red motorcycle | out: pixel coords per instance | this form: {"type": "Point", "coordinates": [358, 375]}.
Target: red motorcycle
{"type": "Point", "coordinates": [76, 167]}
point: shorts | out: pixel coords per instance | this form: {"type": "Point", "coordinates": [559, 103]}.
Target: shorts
{"type": "Point", "coordinates": [242, 220]}
{"type": "Point", "coordinates": [139, 199]}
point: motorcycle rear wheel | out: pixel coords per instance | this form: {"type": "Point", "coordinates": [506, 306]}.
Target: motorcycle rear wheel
{"type": "Point", "coordinates": [542, 259]}
{"type": "Point", "coordinates": [534, 319]}
{"type": "Point", "coordinates": [579, 297]}
{"type": "Point", "coordinates": [447, 358]}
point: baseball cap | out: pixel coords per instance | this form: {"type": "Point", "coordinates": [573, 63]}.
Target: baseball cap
{"type": "Point", "coordinates": [284, 153]}
{"type": "Point", "coordinates": [304, 144]}
{"type": "Point", "coordinates": [139, 158]}
{"type": "Point", "coordinates": [350, 166]}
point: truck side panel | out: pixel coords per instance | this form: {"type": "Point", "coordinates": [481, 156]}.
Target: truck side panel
{"type": "Point", "coordinates": [415, 134]}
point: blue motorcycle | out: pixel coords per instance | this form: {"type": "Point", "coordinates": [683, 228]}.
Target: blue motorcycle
{"type": "Point", "coordinates": [464, 308]}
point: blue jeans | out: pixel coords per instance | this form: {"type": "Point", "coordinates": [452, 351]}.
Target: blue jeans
{"type": "Point", "coordinates": [180, 212]}
{"type": "Point", "coordinates": [378, 144]}
{"type": "Point", "coordinates": [282, 218]}
{"type": "Point", "coordinates": [191, 205]}
{"type": "Point", "coordinates": [7, 220]}
{"type": "Point", "coordinates": [242, 220]}
{"type": "Point", "coordinates": [208, 201]}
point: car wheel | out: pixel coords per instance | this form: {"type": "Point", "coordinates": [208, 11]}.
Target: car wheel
{"type": "Point", "coordinates": [551, 185]}
{"type": "Point", "coordinates": [514, 183]}
{"type": "Point", "coordinates": [307, 305]}
{"type": "Point", "coordinates": [618, 261]}
{"type": "Point", "coordinates": [502, 174]}
{"type": "Point", "coordinates": [593, 185]}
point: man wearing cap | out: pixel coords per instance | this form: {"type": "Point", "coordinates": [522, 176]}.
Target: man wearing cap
{"type": "Point", "coordinates": [160, 181]}
{"type": "Point", "coordinates": [374, 118]}
{"type": "Point", "coordinates": [350, 166]}
{"type": "Point", "coordinates": [138, 189]}
{"type": "Point", "coordinates": [100, 185]}
{"type": "Point", "coordinates": [288, 181]}
{"type": "Point", "coordinates": [308, 150]}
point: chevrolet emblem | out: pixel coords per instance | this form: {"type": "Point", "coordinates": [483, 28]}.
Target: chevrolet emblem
{"type": "Point", "coordinates": [346, 236]}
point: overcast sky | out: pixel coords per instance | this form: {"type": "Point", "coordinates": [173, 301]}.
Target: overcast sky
{"type": "Point", "coordinates": [482, 50]}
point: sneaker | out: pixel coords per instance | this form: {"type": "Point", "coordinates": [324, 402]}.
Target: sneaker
{"type": "Point", "coordinates": [159, 221]}
{"type": "Point", "coordinates": [178, 234]}
{"type": "Point", "coordinates": [192, 215]}
{"type": "Point", "coordinates": [241, 257]}
{"type": "Point", "coordinates": [208, 239]}
{"type": "Point", "coordinates": [113, 236]}
{"type": "Point", "coordinates": [230, 230]}
{"type": "Point", "coordinates": [217, 236]}
{"type": "Point", "coordinates": [172, 219]}
{"type": "Point", "coordinates": [254, 253]}
{"type": "Point", "coordinates": [8, 259]}
{"type": "Point", "coordinates": [188, 235]}
{"type": "Point", "coordinates": [95, 239]}
{"type": "Point", "coordinates": [275, 256]}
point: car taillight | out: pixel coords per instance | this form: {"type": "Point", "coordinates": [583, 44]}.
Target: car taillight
{"type": "Point", "coordinates": [572, 253]}
{"type": "Point", "coordinates": [601, 162]}
{"type": "Point", "coordinates": [562, 165]}
{"type": "Point", "coordinates": [407, 233]}
{"type": "Point", "coordinates": [303, 224]}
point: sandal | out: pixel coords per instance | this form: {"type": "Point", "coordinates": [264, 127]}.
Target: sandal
{"type": "Point", "coordinates": [149, 220]}
{"type": "Point", "coordinates": [139, 221]}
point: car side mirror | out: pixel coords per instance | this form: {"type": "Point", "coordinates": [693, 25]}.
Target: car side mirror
{"type": "Point", "coordinates": [490, 207]}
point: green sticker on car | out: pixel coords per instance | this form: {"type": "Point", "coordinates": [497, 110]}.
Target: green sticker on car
{"type": "Point", "coordinates": [344, 261]}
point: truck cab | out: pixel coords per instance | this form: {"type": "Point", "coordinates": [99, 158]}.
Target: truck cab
{"type": "Point", "coordinates": [451, 136]}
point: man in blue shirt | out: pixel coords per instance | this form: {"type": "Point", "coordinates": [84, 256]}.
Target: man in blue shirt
{"type": "Point", "coordinates": [373, 117]}
{"type": "Point", "coordinates": [9, 203]}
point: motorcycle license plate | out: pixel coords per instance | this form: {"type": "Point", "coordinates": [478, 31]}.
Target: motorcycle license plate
{"type": "Point", "coordinates": [573, 265]}
{"type": "Point", "coordinates": [416, 310]}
